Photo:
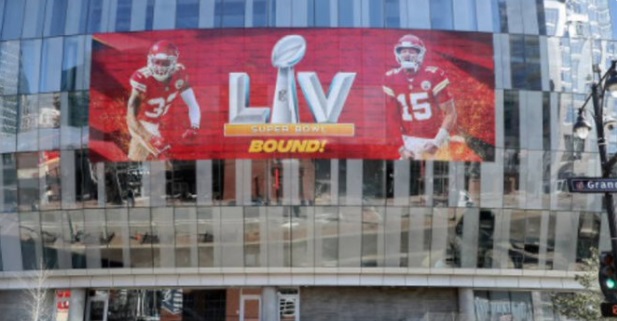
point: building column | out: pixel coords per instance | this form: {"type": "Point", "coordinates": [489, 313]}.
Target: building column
{"type": "Point", "coordinates": [269, 303]}
{"type": "Point", "coordinates": [77, 305]}
{"type": "Point", "coordinates": [465, 304]}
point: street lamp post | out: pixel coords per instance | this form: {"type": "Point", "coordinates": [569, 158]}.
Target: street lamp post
{"type": "Point", "coordinates": [607, 83]}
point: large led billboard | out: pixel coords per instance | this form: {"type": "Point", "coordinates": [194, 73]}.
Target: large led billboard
{"type": "Point", "coordinates": [292, 93]}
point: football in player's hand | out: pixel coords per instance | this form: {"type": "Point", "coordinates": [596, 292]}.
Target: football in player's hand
{"type": "Point", "coordinates": [159, 144]}
{"type": "Point", "coordinates": [288, 51]}
{"type": "Point", "coordinates": [190, 134]}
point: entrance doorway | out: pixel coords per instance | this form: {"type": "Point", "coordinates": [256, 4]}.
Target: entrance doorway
{"type": "Point", "coordinates": [96, 310]}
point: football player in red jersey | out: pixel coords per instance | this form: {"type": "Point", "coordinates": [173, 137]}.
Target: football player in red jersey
{"type": "Point", "coordinates": [154, 89]}
{"type": "Point", "coordinates": [419, 102]}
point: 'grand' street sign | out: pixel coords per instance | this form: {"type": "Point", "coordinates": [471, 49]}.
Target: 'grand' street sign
{"type": "Point", "coordinates": [592, 185]}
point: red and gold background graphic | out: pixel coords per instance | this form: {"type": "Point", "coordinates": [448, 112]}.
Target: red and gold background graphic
{"type": "Point", "coordinates": [211, 55]}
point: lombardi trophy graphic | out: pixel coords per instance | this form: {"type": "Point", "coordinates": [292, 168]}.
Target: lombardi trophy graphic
{"type": "Point", "coordinates": [285, 55]}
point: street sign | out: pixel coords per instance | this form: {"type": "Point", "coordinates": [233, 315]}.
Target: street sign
{"type": "Point", "coordinates": [608, 309]}
{"type": "Point", "coordinates": [592, 185]}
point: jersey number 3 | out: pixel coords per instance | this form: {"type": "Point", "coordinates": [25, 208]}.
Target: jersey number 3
{"type": "Point", "coordinates": [420, 106]}
{"type": "Point", "coordinates": [160, 105]}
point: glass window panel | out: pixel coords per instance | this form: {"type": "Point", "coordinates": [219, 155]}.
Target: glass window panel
{"type": "Point", "coordinates": [8, 123]}
{"type": "Point", "coordinates": [95, 238]}
{"type": "Point", "coordinates": [9, 67]}
{"type": "Point", "coordinates": [392, 13]}
{"type": "Point", "coordinates": [186, 227]}
{"type": "Point", "coordinates": [141, 238]}
{"type": "Point", "coordinates": [123, 15]}
{"type": "Point", "coordinates": [321, 13]}
{"type": "Point", "coordinates": [417, 181]}
{"type": "Point", "coordinates": [512, 177]}
{"type": "Point", "coordinates": [418, 236]}
{"type": "Point", "coordinates": [441, 14]}
{"type": "Point", "coordinates": [323, 183]}
{"type": "Point", "coordinates": [443, 255]}
{"type": "Point", "coordinates": [376, 13]}
{"type": "Point", "coordinates": [74, 120]}
{"type": "Point", "coordinates": [253, 236]}
{"type": "Point", "coordinates": [232, 13]}
{"type": "Point", "coordinates": [163, 237]}
{"type": "Point", "coordinates": [346, 13]}
{"type": "Point", "coordinates": [27, 135]}
{"type": "Point", "coordinates": [373, 225]}
{"type": "Point", "coordinates": [76, 17]}
{"type": "Point", "coordinates": [49, 121]}
{"type": "Point", "coordinates": [260, 13]}
{"type": "Point", "coordinates": [326, 236]}
{"type": "Point", "coordinates": [187, 14]}
{"type": "Point", "coordinates": [306, 188]}
{"type": "Point", "coordinates": [181, 184]}
{"type": "Point", "coordinates": [396, 237]}
{"type": "Point", "coordinates": [465, 17]}
{"type": "Point", "coordinates": [225, 184]}
{"type": "Point", "coordinates": [276, 237]}
{"type": "Point", "coordinates": [566, 232]}
{"type": "Point", "coordinates": [374, 182]}
{"type": "Point", "coordinates": [300, 228]}
{"type": "Point", "coordinates": [533, 253]}
{"type": "Point", "coordinates": [75, 228]}
{"type": "Point", "coordinates": [350, 236]}
{"type": "Point", "coordinates": [441, 181]}
{"type": "Point", "coordinates": [164, 14]}
{"type": "Point", "coordinates": [55, 17]}
{"type": "Point", "coordinates": [260, 182]}
{"type": "Point", "coordinates": [30, 63]}
{"type": "Point", "coordinates": [588, 235]}
{"type": "Point", "coordinates": [8, 179]}
{"type": "Point", "coordinates": [73, 73]}
{"type": "Point", "coordinates": [50, 188]}
{"type": "Point", "coordinates": [30, 236]}
{"type": "Point", "coordinates": [117, 240]}
{"type": "Point", "coordinates": [205, 236]}
{"type": "Point", "coordinates": [95, 12]}
{"type": "Point", "coordinates": [33, 19]}
{"type": "Point", "coordinates": [52, 239]}
{"type": "Point", "coordinates": [149, 15]}
{"type": "Point", "coordinates": [13, 19]}
{"type": "Point", "coordinates": [467, 241]}
{"type": "Point", "coordinates": [231, 235]}
{"type": "Point", "coordinates": [28, 181]}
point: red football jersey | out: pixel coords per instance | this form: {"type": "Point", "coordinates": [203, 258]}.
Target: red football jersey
{"type": "Point", "coordinates": [158, 95]}
{"type": "Point", "coordinates": [416, 98]}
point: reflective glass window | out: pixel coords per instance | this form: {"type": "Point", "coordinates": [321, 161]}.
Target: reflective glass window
{"type": "Point", "coordinates": [163, 237]}
{"type": "Point", "coordinates": [55, 17]}
{"type": "Point", "coordinates": [149, 15]}
{"type": "Point", "coordinates": [30, 66]}
{"type": "Point", "coordinates": [185, 221]}
{"type": "Point", "coordinates": [253, 237]}
{"type": "Point", "coordinates": [141, 238]}
{"type": "Point", "coordinates": [373, 230]}
{"type": "Point", "coordinates": [260, 13]}
{"type": "Point", "coordinates": [49, 184]}
{"type": "Point", "coordinates": [123, 15]}
{"type": "Point", "coordinates": [94, 238]}
{"type": "Point", "coordinates": [54, 254]}
{"type": "Point", "coordinates": [8, 180]}
{"type": "Point", "coordinates": [326, 236]}
{"type": "Point", "coordinates": [374, 182]}
{"type": "Point", "coordinates": [392, 13]}
{"type": "Point", "coordinates": [319, 13]}
{"type": "Point", "coordinates": [323, 184]}
{"type": "Point", "coordinates": [116, 238]}
{"type": "Point", "coordinates": [13, 19]}
{"type": "Point", "coordinates": [9, 67]}
{"type": "Point", "coordinates": [346, 13]}
{"type": "Point", "coordinates": [74, 123]}
{"type": "Point", "coordinates": [181, 185]}
{"type": "Point", "coordinates": [232, 13]}
{"type": "Point", "coordinates": [375, 13]}
{"type": "Point", "coordinates": [205, 236]}
{"type": "Point", "coordinates": [9, 123]}
{"type": "Point", "coordinates": [51, 59]}
{"type": "Point", "coordinates": [76, 17]}
{"type": "Point", "coordinates": [500, 16]}
{"type": "Point", "coordinates": [73, 64]}
{"type": "Point", "coordinates": [300, 228]}
{"type": "Point", "coordinates": [231, 236]}
{"type": "Point", "coordinates": [441, 14]}
{"type": "Point", "coordinates": [187, 14]}
{"type": "Point", "coordinates": [27, 133]}
{"type": "Point", "coordinates": [465, 17]}
{"type": "Point", "coordinates": [164, 14]}
{"type": "Point", "coordinates": [95, 12]}
{"type": "Point", "coordinates": [31, 239]}
{"type": "Point", "coordinates": [33, 19]}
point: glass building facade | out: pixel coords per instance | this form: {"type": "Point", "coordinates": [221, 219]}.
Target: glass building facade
{"type": "Point", "coordinates": [302, 239]}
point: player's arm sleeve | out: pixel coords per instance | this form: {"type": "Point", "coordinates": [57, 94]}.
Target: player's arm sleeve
{"type": "Point", "coordinates": [188, 96]}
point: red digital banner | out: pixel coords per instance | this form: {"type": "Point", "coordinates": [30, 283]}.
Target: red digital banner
{"type": "Point", "coordinates": [292, 93]}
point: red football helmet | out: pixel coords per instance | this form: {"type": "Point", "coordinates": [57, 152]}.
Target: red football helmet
{"type": "Point", "coordinates": [410, 62]}
{"type": "Point", "coordinates": [162, 59]}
